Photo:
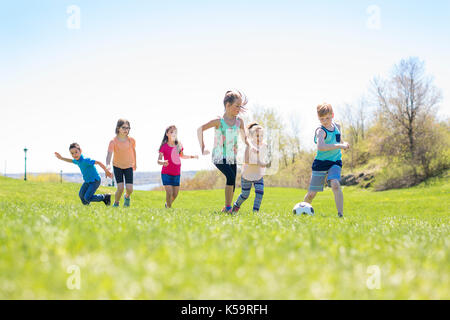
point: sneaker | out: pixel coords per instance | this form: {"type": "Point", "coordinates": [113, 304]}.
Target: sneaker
{"type": "Point", "coordinates": [115, 205]}
{"type": "Point", "coordinates": [235, 209]}
{"type": "Point", "coordinates": [224, 209]}
{"type": "Point", "coordinates": [126, 202]}
{"type": "Point", "coordinates": [165, 204]}
{"type": "Point", "coordinates": [340, 215]}
{"type": "Point", "coordinates": [107, 199]}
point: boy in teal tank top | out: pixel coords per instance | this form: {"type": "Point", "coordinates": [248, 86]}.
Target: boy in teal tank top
{"type": "Point", "coordinates": [328, 161]}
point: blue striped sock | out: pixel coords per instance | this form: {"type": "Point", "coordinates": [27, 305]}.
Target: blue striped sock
{"type": "Point", "coordinates": [246, 186]}
{"type": "Point", "coordinates": [259, 192]}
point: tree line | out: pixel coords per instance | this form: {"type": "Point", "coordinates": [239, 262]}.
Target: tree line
{"type": "Point", "coordinates": [394, 130]}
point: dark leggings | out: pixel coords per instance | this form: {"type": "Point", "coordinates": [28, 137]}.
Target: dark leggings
{"type": "Point", "coordinates": [229, 170]}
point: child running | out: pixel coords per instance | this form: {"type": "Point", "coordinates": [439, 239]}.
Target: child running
{"type": "Point", "coordinates": [226, 141]}
{"type": "Point", "coordinates": [90, 176]}
{"type": "Point", "coordinates": [124, 162]}
{"type": "Point", "coordinates": [171, 150]}
{"type": "Point", "coordinates": [253, 169]}
{"type": "Point", "coordinates": [328, 161]}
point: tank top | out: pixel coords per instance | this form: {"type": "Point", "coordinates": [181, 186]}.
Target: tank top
{"type": "Point", "coordinates": [226, 142]}
{"type": "Point", "coordinates": [331, 137]}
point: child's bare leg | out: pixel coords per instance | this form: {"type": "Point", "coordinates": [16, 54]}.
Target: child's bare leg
{"type": "Point", "coordinates": [229, 192]}
{"type": "Point", "coordinates": [169, 191]}
{"type": "Point", "coordinates": [338, 196]}
{"type": "Point", "coordinates": [310, 196]}
{"type": "Point", "coordinates": [119, 191]}
{"type": "Point", "coordinates": [175, 192]}
{"type": "Point", "coordinates": [129, 187]}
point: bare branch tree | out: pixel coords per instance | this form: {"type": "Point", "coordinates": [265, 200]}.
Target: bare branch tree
{"type": "Point", "coordinates": [355, 118]}
{"type": "Point", "coordinates": [407, 100]}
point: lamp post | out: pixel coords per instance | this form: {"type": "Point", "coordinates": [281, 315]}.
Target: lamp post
{"type": "Point", "coordinates": [25, 176]}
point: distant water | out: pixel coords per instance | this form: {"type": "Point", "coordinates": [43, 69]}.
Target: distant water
{"type": "Point", "coordinates": [146, 187]}
{"type": "Point", "coordinates": [141, 179]}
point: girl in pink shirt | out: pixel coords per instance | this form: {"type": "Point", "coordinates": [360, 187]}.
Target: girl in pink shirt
{"type": "Point", "coordinates": [124, 162]}
{"type": "Point", "coordinates": [172, 152]}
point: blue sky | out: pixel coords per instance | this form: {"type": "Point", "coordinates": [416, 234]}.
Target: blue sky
{"type": "Point", "coordinates": [170, 62]}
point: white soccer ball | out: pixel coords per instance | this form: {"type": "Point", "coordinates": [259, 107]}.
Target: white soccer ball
{"type": "Point", "coordinates": [303, 208]}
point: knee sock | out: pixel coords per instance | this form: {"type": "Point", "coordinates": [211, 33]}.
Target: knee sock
{"type": "Point", "coordinates": [259, 192]}
{"type": "Point", "coordinates": [246, 186]}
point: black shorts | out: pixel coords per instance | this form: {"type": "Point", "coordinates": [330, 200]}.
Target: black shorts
{"type": "Point", "coordinates": [120, 173]}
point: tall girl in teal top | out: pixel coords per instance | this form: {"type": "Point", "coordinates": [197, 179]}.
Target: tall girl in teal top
{"type": "Point", "coordinates": [227, 129]}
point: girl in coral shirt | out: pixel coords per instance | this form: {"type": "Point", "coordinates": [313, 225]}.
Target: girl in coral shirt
{"type": "Point", "coordinates": [124, 162]}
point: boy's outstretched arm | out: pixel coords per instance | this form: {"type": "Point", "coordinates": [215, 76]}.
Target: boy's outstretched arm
{"type": "Point", "coordinates": [107, 172]}
{"type": "Point", "coordinates": [63, 159]}
{"type": "Point", "coordinates": [322, 146]}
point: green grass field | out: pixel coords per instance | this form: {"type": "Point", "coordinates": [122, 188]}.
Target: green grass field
{"type": "Point", "coordinates": [195, 252]}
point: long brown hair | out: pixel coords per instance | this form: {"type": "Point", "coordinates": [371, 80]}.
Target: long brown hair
{"type": "Point", "coordinates": [166, 138]}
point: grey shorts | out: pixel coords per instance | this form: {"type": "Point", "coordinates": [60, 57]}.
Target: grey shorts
{"type": "Point", "coordinates": [318, 178]}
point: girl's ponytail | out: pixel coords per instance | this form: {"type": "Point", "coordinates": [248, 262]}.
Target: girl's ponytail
{"type": "Point", "coordinates": [233, 95]}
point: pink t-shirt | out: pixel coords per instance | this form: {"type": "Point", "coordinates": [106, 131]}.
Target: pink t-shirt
{"type": "Point", "coordinates": [171, 154]}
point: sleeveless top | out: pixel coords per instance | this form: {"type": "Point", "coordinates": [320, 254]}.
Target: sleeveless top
{"type": "Point", "coordinates": [331, 137]}
{"type": "Point", "coordinates": [226, 142]}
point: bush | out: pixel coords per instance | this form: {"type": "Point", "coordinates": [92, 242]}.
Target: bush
{"type": "Point", "coordinates": [397, 175]}
{"type": "Point", "coordinates": [204, 180]}
{"type": "Point", "coordinates": [295, 175]}
{"type": "Point", "coordinates": [358, 155]}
